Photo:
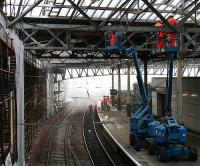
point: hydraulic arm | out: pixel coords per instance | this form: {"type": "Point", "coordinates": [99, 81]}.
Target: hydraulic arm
{"type": "Point", "coordinates": [140, 120]}
{"type": "Point", "coordinates": [131, 52]}
{"type": "Point", "coordinates": [169, 84]}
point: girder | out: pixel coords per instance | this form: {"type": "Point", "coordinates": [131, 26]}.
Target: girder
{"type": "Point", "coordinates": [88, 43]}
{"type": "Point", "coordinates": [71, 73]}
{"type": "Point", "coordinates": [82, 27]}
{"type": "Point", "coordinates": [77, 68]}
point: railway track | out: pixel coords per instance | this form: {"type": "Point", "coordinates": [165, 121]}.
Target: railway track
{"type": "Point", "coordinates": [57, 151]}
{"type": "Point", "coordinates": [100, 150]}
{"type": "Point", "coordinates": [67, 146]}
{"type": "Point", "coordinates": [77, 138]}
{"type": "Point", "coordinates": [60, 151]}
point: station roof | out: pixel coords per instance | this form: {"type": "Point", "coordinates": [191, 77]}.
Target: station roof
{"type": "Point", "coordinates": [74, 28]}
{"type": "Point", "coordinates": [112, 10]}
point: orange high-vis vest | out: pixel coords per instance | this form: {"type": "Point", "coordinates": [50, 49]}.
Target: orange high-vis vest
{"type": "Point", "coordinates": [160, 36]}
{"type": "Point", "coordinates": [171, 21]}
{"type": "Point", "coordinates": [112, 39]}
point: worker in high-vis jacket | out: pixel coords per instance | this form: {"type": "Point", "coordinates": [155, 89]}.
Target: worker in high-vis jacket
{"type": "Point", "coordinates": [159, 36]}
{"type": "Point", "coordinates": [112, 39]}
{"type": "Point", "coordinates": [171, 35]}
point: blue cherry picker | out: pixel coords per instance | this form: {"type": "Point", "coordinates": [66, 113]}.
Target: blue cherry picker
{"type": "Point", "coordinates": [170, 137]}
{"type": "Point", "coordinates": [142, 123]}
{"type": "Point", "coordinates": [166, 138]}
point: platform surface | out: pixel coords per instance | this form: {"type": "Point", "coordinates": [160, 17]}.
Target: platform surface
{"type": "Point", "coordinates": [118, 126]}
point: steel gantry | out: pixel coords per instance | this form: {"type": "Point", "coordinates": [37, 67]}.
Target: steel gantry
{"type": "Point", "coordinates": [70, 69]}
{"type": "Point", "coordinates": [76, 28]}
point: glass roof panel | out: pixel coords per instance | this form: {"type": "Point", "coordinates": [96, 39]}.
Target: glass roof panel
{"type": "Point", "coordinates": [86, 2]}
{"type": "Point", "coordinates": [106, 14]}
{"type": "Point", "coordinates": [96, 3]}
{"type": "Point", "coordinates": [161, 7]}
{"type": "Point", "coordinates": [58, 1]}
{"type": "Point", "coordinates": [76, 1]}
{"type": "Point", "coordinates": [90, 12]}
{"type": "Point", "coordinates": [53, 14]}
{"type": "Point", "coordinates": [105, 3]}
{"type": "Point", "coordinates": [120, 2]}
{"type": "Point", "coordinates": [70, 12]}
{"type": "Point", "coordinates": [130, 15]}
{"type": "Point", "coordinates": [98, 13]}
{"type": "Point", "coordinates": [113, 3]}
{"type": "Point", "coordinates": [63, 12]}
{"type": "Point", "coordinates": [165, 7]}
{"type": "Point", "coordinates": [198, 17]}
{"type": "Point", "coordinates": [175, 2]}
{"type": "Point", "coordinates": [129, 3]}
{"type": "Point", "coordinates": [55, 9]}
{"type": "Point", "coordinates": [116, 15]}
{"type": "Point", "coordinates": [177, 16]}
{"type": "Point", "coordinates": [67, 3]}
{"type": "Point", "coordinates": [153, 17]}
{"type": "Point", "coordinates": [144, 17]}
{"type": "Point", "coordinates": [169, 8]}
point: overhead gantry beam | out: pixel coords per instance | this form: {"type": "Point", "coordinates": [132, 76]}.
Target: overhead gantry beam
{"type": "Point", "coordinates": [16, 20]}
{"type": "Point", "coordinates": [29, 36]}
{"type": "Point", "coordinates": [42, 26]}
{"type": "Point", "coordinates": [57, 38]}
{"type": "Point", "coordinates": [75, 70]}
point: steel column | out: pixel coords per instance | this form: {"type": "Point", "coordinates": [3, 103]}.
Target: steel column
{"type": "Point", "coordinates": [19, 77]}
{"type": "Point", "coordinates": [113, 83]}
{"type": "Point", "coordinates": [128, 84]}
{"type": "Point", "coordinates": [11, 124]}
{"type": "Point", "coordinates": [145, 75]}
{"type": "Point", "coordinates": [50, 95]}
{"type": "Point", "coordinates": [179, 100]}
{"type": "Point", "coordinates": [119, 88]}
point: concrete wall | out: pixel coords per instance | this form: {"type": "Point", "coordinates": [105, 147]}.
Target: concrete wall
{"type": "Point", "coordinates": [154, 103]}
{"type": "Point", "coordinates": [191, 100]}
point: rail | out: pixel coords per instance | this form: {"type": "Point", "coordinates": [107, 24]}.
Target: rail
{"type": "Point", "coordinates": [63, 124]}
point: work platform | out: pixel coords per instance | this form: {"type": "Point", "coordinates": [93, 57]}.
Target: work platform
{"type": "Point", "coordinates": [117, 123]}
